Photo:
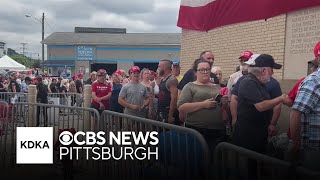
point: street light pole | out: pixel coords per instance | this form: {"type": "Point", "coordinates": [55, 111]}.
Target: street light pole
{"type": "Point", "coordinates": [42, 22]}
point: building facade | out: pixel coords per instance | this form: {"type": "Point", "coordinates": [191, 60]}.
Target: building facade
{"type": "Point", "coordinates": [289, 38]}
{"type": "Point", "coordinates": [83, 52]}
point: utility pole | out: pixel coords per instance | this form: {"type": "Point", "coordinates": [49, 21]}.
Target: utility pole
{"type": "Point", "coordinates": [23, 48]}
{"type": "Point", "coordinates": [42, 37]}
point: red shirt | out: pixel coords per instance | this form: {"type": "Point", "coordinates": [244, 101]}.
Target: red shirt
{"type": "Point", "coordinates": [294, 91]}
{"type": "Point", "coordinates": [101, 89]}
{"type": "Point", "coordinates": [292, 95]}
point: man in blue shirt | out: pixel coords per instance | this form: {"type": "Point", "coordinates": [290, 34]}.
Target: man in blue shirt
{"type": "Point", "coordinates": [25, 84]}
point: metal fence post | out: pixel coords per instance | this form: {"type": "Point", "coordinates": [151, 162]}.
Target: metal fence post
{"type": "Point", "coordinates": [32, 98]}
{"type": "Point", "coordinates": [86, 104]}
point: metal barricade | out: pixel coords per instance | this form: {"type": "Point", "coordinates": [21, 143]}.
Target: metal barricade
{"type": "Point", "coordinates": [66, 99]}
{"type": "Point", "coordinates": [4, 129]}
{"type": "Point", "coordinates": [12, 98]}
{"type": "Point", "coordinates": [234, 162]}
{"type": "Point", "coordinates": [183, 152]}
{"type": "Point", "coordinates": [61, 118]}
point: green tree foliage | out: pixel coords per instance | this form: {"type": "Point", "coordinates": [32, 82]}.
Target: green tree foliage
{"type": "Point", "coordinates": [36, 64]}
{"type": "Point", "coordinates": [26, 61]}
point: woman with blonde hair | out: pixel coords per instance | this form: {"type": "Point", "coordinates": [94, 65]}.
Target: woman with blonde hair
{"type": "Point", "coordinates": [218, 72]}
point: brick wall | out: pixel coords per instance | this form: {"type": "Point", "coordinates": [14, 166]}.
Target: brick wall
{"type": "Point", "coordinates": [228, 42]}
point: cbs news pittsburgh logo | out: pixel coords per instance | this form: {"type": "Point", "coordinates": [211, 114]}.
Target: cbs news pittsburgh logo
{"type": "Point", "coordinates": [35, 145]}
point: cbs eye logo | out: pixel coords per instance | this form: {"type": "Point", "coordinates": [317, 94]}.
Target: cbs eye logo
{"type": "Point", "coordinates": [66, 138]}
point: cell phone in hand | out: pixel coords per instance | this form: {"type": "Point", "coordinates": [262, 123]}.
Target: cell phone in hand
{"type": "Point", "coordinates": [218, 98]}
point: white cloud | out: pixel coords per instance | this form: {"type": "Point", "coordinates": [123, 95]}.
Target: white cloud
{"type": "Point", "coordinates": [64, 15]}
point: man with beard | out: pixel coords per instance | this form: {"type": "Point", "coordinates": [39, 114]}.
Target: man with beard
{"type": "Point", "coordinates": [168, 94]}
{"type": "Point", "coordinates": [273, 89]}
{"type": "Point", "coordinates": [255, 105]}
{"type": "Point", "coordinates": [133, 95]}
{"type": "Point", "coordinates": [245, 56]}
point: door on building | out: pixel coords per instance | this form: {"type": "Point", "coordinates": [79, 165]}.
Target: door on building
{"type": "Point", "coordinates": [151, 66]}
{"type": "Point", "coordinates": [110, 68]}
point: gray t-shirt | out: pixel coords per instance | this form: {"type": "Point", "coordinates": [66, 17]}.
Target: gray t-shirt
{"type": "Point", "coordinates": [134, 94]}
{"type": "Point", "coordinates": [203, 118]}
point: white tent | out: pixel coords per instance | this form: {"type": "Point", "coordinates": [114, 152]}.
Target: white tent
{"type": "Point", "coordinates": [7, 63]}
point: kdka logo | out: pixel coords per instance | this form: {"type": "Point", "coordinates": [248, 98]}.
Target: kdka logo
{"type": "Point", "coordinates": [34, 145]}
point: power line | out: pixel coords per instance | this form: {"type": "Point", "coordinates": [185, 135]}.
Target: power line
{"type": "Point", "coordinates": [49, 25]}
{"type": "Point", "coordinates": [54, 24]}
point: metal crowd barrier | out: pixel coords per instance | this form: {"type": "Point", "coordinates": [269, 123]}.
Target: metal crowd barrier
{"type": "Point", "coordinates": [183, 152]}
{"type": "Point", "coordinates": [61, 118]}
{"type": "Point", "coordinates": [66, 99]}
{"type": "Point", "coordinates": [11, 97]}
{"type": "Point", "coordinates": [234, 162]}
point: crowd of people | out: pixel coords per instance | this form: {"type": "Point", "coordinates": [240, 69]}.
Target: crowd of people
{"type": "Point", "coordinates": [244, 110]}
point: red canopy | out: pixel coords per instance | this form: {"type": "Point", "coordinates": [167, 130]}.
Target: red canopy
{"type": "Point", "coordinates": [204, 15]}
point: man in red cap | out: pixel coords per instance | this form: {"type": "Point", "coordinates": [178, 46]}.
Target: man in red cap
{"type": "Point", "coordinates": [133, 95]}
{"type": "Point", "coordinates": [245, 56]}
{"type": "Point", "coordinates": [305, 119]}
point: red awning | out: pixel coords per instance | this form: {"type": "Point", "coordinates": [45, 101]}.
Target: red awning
{"type": "Point", "coordinates": [204, 15]}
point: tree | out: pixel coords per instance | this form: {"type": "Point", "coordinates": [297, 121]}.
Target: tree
{"type": "Point", "coordinates": [36, 64]}
{"type": "Point", "coordinates": [26, 61]}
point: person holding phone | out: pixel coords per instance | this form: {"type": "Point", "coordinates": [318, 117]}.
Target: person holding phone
{"type": "Point", "coordinates": [201, 103]}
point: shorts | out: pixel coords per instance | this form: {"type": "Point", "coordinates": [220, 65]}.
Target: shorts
{"type": "Point", "coordinates": [94, 106]}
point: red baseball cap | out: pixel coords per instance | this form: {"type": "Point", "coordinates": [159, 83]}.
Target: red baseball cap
{"type": "Point", "coordinates": [134, 69]}
{"type": "Point", "coordinates": [246, 55]}
{"type": "Point", "coordinates": [74, 77]}
{"type": "Point", "coordinates": [152, 73]}
{"type": "Point", "coordinates": [317, 50]}
{"type": "Point", "coordinates": [101, 72]}
{"type": "Point", "coordinates": [80, 75]}
{"type": "Point", "coordinates": [118, 72]}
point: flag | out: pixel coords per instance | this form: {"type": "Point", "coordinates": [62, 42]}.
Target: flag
{"type": "Point", "coordinates": [204, 15]}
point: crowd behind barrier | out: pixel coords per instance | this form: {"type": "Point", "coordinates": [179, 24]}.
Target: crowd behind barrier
{"type": "Point", "coordinates": [183, 152]}
{"type": "Point", "coordinates": [192, 115]}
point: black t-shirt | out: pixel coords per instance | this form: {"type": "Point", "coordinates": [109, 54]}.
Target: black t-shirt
{"type": "Point", "coordinates": [53, 88]}
{"type": "Point", "coordinates": [272, 87]}
{"type": "Point", "coordinates": [78, 85]}
{"type": "Point", "coordinates": [42, 94]}
{"type": "Point", "coordinates": [18, 88]}
{"type": "Point", "coordinates": [89, 81]}
{"type": "Point", "coordinates": [62, 89]}
{"type": "Point", "coordinates": [190, 76]}
{"type": "Point", "coordinates": [251, 130]}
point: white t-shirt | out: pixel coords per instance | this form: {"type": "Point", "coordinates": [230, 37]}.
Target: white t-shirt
{"type": "Point", "coordinates": [233, 80]}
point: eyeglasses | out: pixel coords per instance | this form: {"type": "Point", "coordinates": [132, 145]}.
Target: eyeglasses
{"type": "Point", "coordinates": [204, 70]}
